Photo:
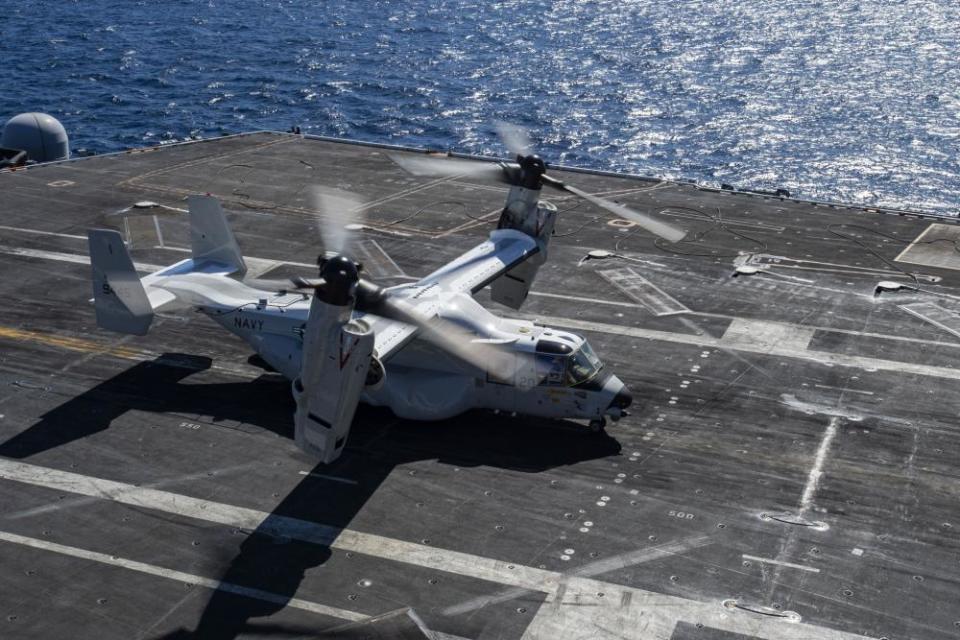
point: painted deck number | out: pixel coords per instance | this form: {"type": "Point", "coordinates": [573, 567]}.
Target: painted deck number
{"type": "Point", "coordinates": [189, 425]}
{"type": "Point", "coordinates": [683, 515]}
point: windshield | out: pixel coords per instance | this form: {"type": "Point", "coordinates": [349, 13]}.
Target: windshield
{"type": "Point", "coordinates": [584, 364]}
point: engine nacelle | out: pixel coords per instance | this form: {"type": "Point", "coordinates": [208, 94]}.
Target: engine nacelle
{"type": "Point", "coordinates": [334, 364]}
{"type": "Point", "coordinates": [524, 212]}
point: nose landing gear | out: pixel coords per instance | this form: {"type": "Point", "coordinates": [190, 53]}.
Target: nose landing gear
{"type": "Point", "coordinates": [598, 426]}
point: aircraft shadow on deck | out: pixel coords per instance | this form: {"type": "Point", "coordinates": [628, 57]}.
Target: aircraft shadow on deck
{"type": "Point", "coordinates": [378, 443]}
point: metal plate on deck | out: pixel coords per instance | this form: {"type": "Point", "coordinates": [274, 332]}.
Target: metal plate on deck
{"type": "Point", "coordinates": [935, 247]}
{"type": "Point", "coordinates": [638, 288]}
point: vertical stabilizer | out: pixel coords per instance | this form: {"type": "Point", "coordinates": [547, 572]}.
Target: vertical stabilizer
{"type": "Point", "coordinates": [119, 298]}
{"type": "Point", "coordinates": [211, 238]}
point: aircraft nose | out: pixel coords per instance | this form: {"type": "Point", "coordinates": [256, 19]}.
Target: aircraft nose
{"type": "Point", "coordinates": [622, 400]}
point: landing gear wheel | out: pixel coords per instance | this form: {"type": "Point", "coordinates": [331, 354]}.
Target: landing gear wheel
{"type": "Point", "coordinates": [598, 426]}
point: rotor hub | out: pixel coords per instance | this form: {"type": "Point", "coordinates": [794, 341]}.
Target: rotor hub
{"type": "Point", "coordinates": [532, 168]}
{"type": "Point", "coordinates": [340, 275]}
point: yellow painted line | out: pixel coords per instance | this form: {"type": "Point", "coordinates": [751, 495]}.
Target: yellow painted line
{"type": "Point", "coordinates": [97, 348]}
{"type": "Point", "coordinates": [71, 344]}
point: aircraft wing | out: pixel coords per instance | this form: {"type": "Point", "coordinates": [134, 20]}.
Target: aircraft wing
{"type": "Point", "coordinates": [483, 264]}
{"type": "Point", "coordinates": [469, 273]}
{"type": "Point", "coordinates": [389, 335]}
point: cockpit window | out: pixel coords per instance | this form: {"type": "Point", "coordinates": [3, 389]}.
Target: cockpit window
{"type": "Point", "coordinates": [567, 368]}
{"type": "Point", "coordinates": [551, 369]}
{"type": "Point", "coordinates": [583, 365]}
{"type": "Point", "coordinates": [550, 346]}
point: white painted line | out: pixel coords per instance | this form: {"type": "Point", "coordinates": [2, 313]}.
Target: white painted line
{"type": "Point", "coordinates": [568, 593]}
{"type": "Point", "coordinates": [66, 257]}
{"type": "Point", "coordinates": [156, 226]}
{"type": "Point", "coordinates": [595, 568]}
{"type": "Point", "coordinates": [377, 261]}
{"type": "Point", "coordinates": [58, 505]}
{"type": "Point", "coordinates": [819, 357]}
{"type": "Point", "coordinates": [936, 315]}
{"type": "Point", "coordinates": [769, 273]}
{"type": "Point", "coordinates": [83, 259]}
{"type": "Point", "coordinates": [261, 263]}
{"type": "Point", "coordinates": [781, 563]}
{"type": "Point", "coordinates": [37, 232]}
{"type": "Point", "coordinates": [323, 476]}
{"type": "Point", "coordinates": [902, 254]}
{"type": "Point", "coordinates": [560, 296]}
{"type": "Point", "coordinates": [174, 503]}
{"type": "Point", "coordinates": [722, 316]}
{"type": "Point", "coordinates": [180, 576]}
{"type": "Point", "coordinates": [844, 389]}
{"type": "Point", "coordinates": [813, 479]}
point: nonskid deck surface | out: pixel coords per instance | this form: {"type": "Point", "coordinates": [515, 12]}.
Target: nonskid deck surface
{"type": "Point", "coordinates": [789, 470]}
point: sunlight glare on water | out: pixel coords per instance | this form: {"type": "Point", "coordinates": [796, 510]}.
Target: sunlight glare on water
{"type": "Point", "coordinates": [847, 101]}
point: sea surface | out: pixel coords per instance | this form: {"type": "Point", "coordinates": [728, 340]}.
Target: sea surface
{"type": "Point", "coordinates": [843, 100]}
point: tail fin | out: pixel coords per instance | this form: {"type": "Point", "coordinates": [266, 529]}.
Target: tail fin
{"type": "Point", "coordinates": [210, 236]}
{"type": "Point", "coordinates": [119, 298]}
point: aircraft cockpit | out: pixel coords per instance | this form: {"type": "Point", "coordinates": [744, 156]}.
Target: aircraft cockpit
{"type": "Point", "coordinates": [562, 365]}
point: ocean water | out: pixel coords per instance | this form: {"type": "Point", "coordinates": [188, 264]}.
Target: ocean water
{"type": "Point", "coordinates": [845, 100]}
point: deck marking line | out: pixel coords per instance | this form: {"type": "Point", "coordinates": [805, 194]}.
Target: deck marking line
{"type": "Point", "coordinates": [819, 357]}
{"type": "Point", "coordinates": [180, 576]}
{"type": "Point", "coordinates": [75, 258]}
{"type": "Point", "coordinates": [91, 347]}
{"type": "Point", "coordinates": [144, 267]}
{"type": "Point", "coordinates": [861, 391]}
{"type": "Point", "coordinates": [377, 261]}
{"type": "Point", "coordinates": [900, 256]}
{"type": "Point", "coordinates": [561, 296]}
{"type": "Point", "coordinates": [595, 568]}
{"type": "Point", "coordinates": [781, 563]}
{"type": "Point", "coordinates": [813, 479]}
{"type": "Point", "coordinates": [323, 476]}
{"type": "Point", "coordinates": [37, 232]}
{"type": "Point", "coordinates": [936, 315]}
{"type": "Point", "coordinates": [254, 264]}
{"type": "Point", "coordinates": [57, 505]}
{"type": "Point", "coordinates": [665, 610]}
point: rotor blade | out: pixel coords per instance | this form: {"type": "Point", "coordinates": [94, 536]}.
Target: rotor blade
{"type": "Point", "coordinates": [266, 284]}
{"type": "Point", "coordinates": [657, 227]}
{"type": "Point", "coordinates": [499, 360]}
{"type": "Point", "coordinates": [339, 213]}
{"type": "Point", "coordinates": [307, 283]}
{"type": "Point", "coordinates": [423, 165]}
{"type": "Point", "coordinates": [514, 137]}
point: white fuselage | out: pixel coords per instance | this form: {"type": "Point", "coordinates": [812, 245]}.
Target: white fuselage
{"type": "Point", "coordinates": [422, 381]}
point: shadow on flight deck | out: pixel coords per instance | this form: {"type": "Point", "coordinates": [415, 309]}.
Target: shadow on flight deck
{"type": "Point", "coordinates": [378, 443]}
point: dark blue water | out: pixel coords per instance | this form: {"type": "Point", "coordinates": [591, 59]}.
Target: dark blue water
{"type": "Point", "coordinates": [833, 99]}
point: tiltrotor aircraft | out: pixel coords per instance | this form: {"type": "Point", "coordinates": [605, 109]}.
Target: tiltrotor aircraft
{"type": "Point", "coordinates": [427, 349]}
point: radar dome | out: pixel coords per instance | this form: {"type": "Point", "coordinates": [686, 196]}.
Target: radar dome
{"type": "Point", "coordinates": [40, 135]}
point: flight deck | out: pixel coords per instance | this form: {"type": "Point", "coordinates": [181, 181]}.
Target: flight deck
{"type": "Point", "coordinates": [790, 468]}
